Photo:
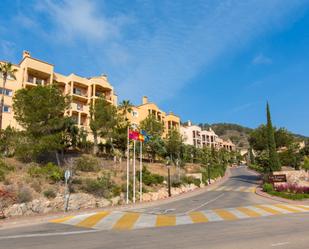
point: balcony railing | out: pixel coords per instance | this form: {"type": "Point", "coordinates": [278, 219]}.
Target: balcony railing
{"type": "Point", "coordinates": [79, 92]}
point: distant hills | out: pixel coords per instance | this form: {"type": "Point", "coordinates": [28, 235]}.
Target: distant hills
{"type": "Point", "coordinates": [238, 134]}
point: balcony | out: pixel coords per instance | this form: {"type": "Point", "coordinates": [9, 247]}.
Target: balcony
{"type": "Point", "coordinates": [80, 107]}
{"type": "Point", "coordinates": [80, 94]}
{"type": "Point", "coordinates": [35, 80]}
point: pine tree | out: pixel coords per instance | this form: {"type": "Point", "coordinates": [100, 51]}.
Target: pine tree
{"type": "Point", "coordinates": [274, 163]}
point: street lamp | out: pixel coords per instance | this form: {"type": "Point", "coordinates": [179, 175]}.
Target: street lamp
{"type": "Point", "coordinates": [168, 165]}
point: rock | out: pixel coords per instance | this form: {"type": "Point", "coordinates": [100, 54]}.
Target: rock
{"type": "Point", "coordinates": [115, 200]}
{"type": "Point", "coordinates": [81, 200]}
{"type": "Point", "coordinates": [102, 203]}
{"type": "Point", "coordinates": [16, 210]}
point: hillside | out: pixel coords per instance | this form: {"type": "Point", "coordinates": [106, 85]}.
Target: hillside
{"type": "Point", "coordinates": [238, 134]}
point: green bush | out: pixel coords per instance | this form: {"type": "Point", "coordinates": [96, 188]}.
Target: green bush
{"type": "Point", "coordinates": [87, 164]}
{"type": "Point", "coordinates": [102, 186]}
{"type": "Point", "coordinates": [150, 179]}
{"type": "Point", "coordinates": [191, 180]}
{"type": "Point", "coordinates": [24, 195]}
{"type": "Point", "coordinates": [4, 169]}
{"type": "Point", "coordinates": [291, 196]}
{"type": "Point", "coordinates": [267, 187]}
{"type": "Point", "coordinates": [256, 168]}
{"type": "Point", "coordinates": [50, 171]}
{"type": "Point", "coordinates": [176, 184]}
{"type": "Point", "coordinates": [49, 193]}
{"type": "Point", "coordinates": [216, 171]}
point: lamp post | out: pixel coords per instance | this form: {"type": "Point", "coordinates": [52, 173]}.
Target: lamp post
{"type": "Point", "coordinates": [208, 168]}
{"type": "Point", "coordinates": [168, 165]}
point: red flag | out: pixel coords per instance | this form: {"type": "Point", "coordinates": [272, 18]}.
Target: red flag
{"type": "Point", "coordinates": [133, 135]}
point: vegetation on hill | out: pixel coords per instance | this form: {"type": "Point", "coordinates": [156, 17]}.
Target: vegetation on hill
{"type": "Point", "coordinates": [240, 135]}
{"type": "Point", "coordinates": [274, 147]}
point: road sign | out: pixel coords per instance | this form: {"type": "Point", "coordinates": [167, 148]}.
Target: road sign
{"type": "Point", "coordinates": [277, 178]}
{"type": "Point", "coordinates": [67, 174]}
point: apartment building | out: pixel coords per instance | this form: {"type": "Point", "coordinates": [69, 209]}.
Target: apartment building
{"type": "Point", "coordinates": [83, 91]}
{"type": "Point", "coordinates": [194, 135]}
{"type": "Point", "coordinates": [141, 112]}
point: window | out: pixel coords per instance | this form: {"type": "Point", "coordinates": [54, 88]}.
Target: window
{"type": "Point", "coordinates": [77, 91]}
{"type": "Point", "coordinates": [79, 106]}
{"type": "Point", "coordinates": [6, 108]}
{"type": "Point", "coordinates": [134, 113]}
{"type": "Point", "coordinates": [6, 92]}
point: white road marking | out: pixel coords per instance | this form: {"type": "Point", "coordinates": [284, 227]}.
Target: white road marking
{"type": "Point", "coordinates": [183, 220]}
{"type": "Point", "coordinates": [46, 234]}
{"type": "Point", "coordinates": [145, 220]}
{"type": "Point", "coordinates": [237, 213]}
{"type": "Point", "coordinates": [204, 204]}
{"type": "Point", "coordinates": [109, 221]}
{"type": "Point", "coordinates": [211, 215]}
{"type": "Point", "coordinates": [280, 244]}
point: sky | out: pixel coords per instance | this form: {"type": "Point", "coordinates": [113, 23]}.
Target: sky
{"type": "Point", "coordinates": [207, 61]}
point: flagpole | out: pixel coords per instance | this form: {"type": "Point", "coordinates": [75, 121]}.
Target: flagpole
{"type": "Point", "coordinates": [128, 165]}
{"type": "Point", "coordinates": [134, 143]}
{"type": "Point", "coordinates": [140, 172]}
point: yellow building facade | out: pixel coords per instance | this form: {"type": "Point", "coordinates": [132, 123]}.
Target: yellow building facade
{"type": "Point", "coordinates": [139, 113]}
{"type": "Point", "coordinates": [83, 91]}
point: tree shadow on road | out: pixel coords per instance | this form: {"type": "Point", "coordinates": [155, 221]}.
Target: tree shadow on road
{"type": "Point", "coordinates": [246, 178]}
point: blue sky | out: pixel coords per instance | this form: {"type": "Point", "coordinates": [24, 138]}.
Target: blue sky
{"type": "Point", "coordinates": [208, 61]}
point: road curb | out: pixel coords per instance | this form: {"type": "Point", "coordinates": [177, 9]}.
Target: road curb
{"type": "Point", "coordinates": [260, 192]}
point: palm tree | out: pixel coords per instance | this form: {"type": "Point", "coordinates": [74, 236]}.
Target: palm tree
{"type": "Point", "coordinates": [126, 107]}
{"type": "Point", "coordinates": [6, 69]}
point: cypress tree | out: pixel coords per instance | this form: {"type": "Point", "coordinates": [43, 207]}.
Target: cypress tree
{"type": "Point", "coordinates": [274, 163]}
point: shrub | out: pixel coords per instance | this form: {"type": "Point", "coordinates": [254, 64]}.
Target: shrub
{"type": "Point", "coordinates": [267, 187]}
{"type": "Point", "coordinates": [87, 164]}
{"type": "Point", "coordinates": [292, 188]}
{"type": "Point", "coordinates": [24, 195]}
{"type": "Point", "coordinates": [4, 169]}
{"type": "Point", "coordinates": [176, 184]}
{"type": "Point", "coordinates": [191, 180]}
{"type": "Point", "coordinates": [256, 167]}
{"type": "Point", "coordinates": [77, 181]}
{"type": "Point", "coordinates": [150, 179]}
{"type": "Point", "coordinates": [102, 186]}
{"type": "Point", "coordinates": [49, 193]}
{"type": "Point", "coordinates": [50, 171]}
{"type": "Point", "coordinates": [36, 185]}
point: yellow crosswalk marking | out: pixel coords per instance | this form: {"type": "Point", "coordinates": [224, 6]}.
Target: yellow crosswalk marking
{"type": "Point", "coordinates": [165, 220]}
{"type": "Point", "coordinates": [127, 221]}
{"type": "Point", "coordinates": [267, 209]}
{"type": "Point", "coordinates": [248, 212]}
{"type": "Point", "coordinates": [302, 207]}
{"type": "Point", "coordinates": [198, 217]}
{"type": "Point", "coordinates": [226, 215]}
{"type": "Point", "coordinates": [61, 220]}
{"type": "Point", "coordinates": [93, 220]}
{"type": "Point", "coordinates": [287, 208]}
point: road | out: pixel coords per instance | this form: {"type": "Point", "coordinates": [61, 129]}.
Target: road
{"type": "Point", "coordinates": [275, 231]}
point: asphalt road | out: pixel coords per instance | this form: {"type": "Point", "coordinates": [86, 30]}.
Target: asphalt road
{"type": "Point", "coordinates": [240, 177]}
{"type": "Point", "coordinates": [281, 231]}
